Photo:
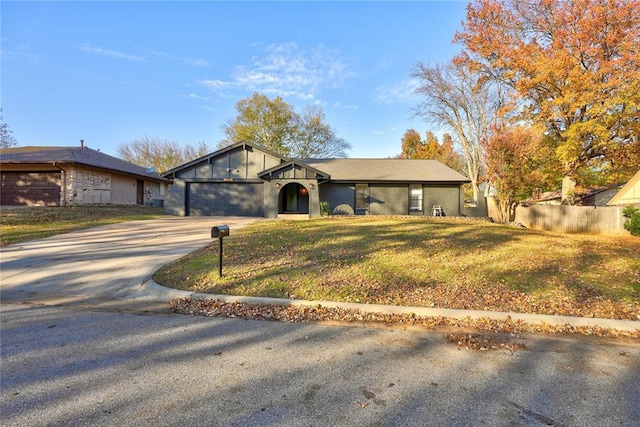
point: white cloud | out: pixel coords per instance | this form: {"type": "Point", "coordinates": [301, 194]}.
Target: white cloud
{"type": "Point", "coordinates": [109, 53]}
{"type": "Point", "coordinates": [216, 85]}
{"type": "Point", "coordinates": [21, 53]}
{"type": "Point", "coordinates": [186, 60]}
{"type": "Point", "coordinates": [288, 70]}
{"type": "Point", "coordinates": [194, 96]}
{"type": "Point", "coordinates": [398, 92]}
{"type": "Point", "coordinates": [339, 104]}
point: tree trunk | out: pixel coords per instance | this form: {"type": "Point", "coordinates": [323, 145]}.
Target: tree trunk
{"type": "Point", "coordinates": [568, 190]}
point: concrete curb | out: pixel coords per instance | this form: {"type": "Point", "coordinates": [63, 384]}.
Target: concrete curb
{"type": "Point", "coordinates": [151, 290]}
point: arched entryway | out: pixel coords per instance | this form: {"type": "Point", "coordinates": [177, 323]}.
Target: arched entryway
{"type": "Point", "coordinates": [293, 199]}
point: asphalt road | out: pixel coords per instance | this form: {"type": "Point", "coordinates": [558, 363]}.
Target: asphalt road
{"type": "Point", "coordinates": [83, 342]}
{"type": "Point", "coordinates": [78, 366]}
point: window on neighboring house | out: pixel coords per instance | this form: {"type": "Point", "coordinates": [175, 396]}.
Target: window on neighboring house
{"type": "Point", "coordinates": [415, 198]}
{"type": "Point", "coordinates": [362, 198]}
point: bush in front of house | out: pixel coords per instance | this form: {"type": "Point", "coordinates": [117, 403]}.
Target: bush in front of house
{"type": "Point", "coordinates": [325, 209]}
{"type": "Point", "coordinates": [632, 222]}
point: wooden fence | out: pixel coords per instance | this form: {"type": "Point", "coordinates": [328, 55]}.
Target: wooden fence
{"type": "Point", "coordinates": [573, 219]}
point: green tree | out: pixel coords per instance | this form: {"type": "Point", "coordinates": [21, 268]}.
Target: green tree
{"type": "Point", "coordinates": [267, 122]}
{"type": "Point", "coordinates": [6, 135]}
{"type": "Point", "coordinates": [274, 124]}
{"type": "Point", "coordinates": [160, 154]}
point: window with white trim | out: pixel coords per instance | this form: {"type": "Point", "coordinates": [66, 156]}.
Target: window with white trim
{"type": "Point", "coordinates": [415, 198]}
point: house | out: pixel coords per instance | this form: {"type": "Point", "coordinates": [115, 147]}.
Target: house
{"type": "Point", "coordinates": [629, 194]}
{"type": "Point", "coordinates": [246, 180]}
{"type": "Point", "coordinates": [60, 176]}
{"type": "Point", "coordinates": [588, 197]}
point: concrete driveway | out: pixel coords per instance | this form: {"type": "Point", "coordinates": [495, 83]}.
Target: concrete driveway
{"type": "Point", "coordinates": [103, 265]}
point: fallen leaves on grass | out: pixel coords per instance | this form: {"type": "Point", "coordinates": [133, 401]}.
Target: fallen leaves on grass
{"type": "Point", "coordinates": [422, 263]}
{"type": "Point", "coordinates": [305, 313]}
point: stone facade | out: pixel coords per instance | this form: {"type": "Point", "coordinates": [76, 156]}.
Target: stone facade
{"type": "Point", "coordinates": [82, 185]}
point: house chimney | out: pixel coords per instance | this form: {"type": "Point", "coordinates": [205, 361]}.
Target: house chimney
{"type": "Point", "coordinates": [82, 143]}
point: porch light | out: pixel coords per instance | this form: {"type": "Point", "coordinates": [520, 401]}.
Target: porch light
{"type": "Point", "coordinates": [303, 191]}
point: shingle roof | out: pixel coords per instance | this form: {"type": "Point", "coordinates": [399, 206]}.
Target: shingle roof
{"type": "Point", "coordinates": [77, 155]}
{"type": "Point", "coordinates": [397, 170]}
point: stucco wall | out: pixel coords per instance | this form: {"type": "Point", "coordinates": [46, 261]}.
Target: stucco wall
{"type": "Point", "coordinates": [442, 195]}
{"type": "Point", "coordinates": [341, 198]}
{"type": "Point", "coordinates": [174, 198]}
{"type": "Point", "coordinates": [389, 199]}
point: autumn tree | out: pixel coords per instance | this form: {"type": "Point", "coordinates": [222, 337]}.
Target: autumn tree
{"type": "Point", "coordinates": [6, 135]}
{"type": "Point", "coordinates": [413, 147]}
{"type": "Point", "coordinates": [463, 101]}
{"type": "Point", "coordinates": [431, 148]}
{"type": "Point", "coordinates": [160, 154]}
{"type": "Point", "coordinates": [411, 143]}
{"type": "Point", "coordinates": [274, 124]}
{"type": "Point", "coordinates": [576, 66]}
{"type": "Point", "coordinates": [517, 162]}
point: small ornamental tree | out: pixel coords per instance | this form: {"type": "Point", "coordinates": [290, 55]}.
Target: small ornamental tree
{"type": "Point", "coordinates": [632, 222]}
{"type": "Point", "coordinates": [516, 162]}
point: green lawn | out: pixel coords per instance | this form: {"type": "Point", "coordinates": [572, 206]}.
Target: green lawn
{"type": "Point", "coordinates": [422, 262]}
{"type": "Point", "coordinates": [29, 223]}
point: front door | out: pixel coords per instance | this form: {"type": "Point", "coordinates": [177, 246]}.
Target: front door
{"type": "Point", "coordinates": [291, 198]}
{"type": "Point", "coordinates": [140, 192]}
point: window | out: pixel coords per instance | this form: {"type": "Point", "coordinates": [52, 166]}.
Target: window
{"type": "Point", "coordinates": [362, 198]}
{"type": "Point", "coordinates": [415, 198]}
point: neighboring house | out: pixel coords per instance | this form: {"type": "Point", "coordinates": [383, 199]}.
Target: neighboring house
{"type": "Point", "coordinates": [589, 197]}
{"type": "Point", "coordinates": [629, 194]}
{"type": "Point", "coordinates": [59, 176]}
{"type": "Point", "coordinates": [247, 180]}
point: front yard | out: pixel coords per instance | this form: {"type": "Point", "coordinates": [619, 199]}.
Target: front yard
{"type": "Point", "coordinates": [422, 262]}
{"type": "Point", "coordinates": [35, 222]}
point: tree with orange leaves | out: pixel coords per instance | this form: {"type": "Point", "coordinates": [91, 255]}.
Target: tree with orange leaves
{"type": "Point", "coordinates": [576, 66]}
{"type": "Point", "coordinates": [413, 147]}
{"type": "Point", "coordinates": [517, 162]}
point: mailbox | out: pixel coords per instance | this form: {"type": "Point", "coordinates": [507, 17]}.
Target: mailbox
{"type": "Point", "coordinates": [220, 231]}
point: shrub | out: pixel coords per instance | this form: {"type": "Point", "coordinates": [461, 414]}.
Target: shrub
{"type": "Point", "coordinates": [325, 209]}
{"type": "Point", "coordinates": [632, 222]}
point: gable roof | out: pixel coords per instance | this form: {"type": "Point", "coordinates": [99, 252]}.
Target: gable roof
{"type": "Point", "coordinates": [73, 155]}
{"type": "Point", "coordinates": [242, 144]}
{"type": "Point", "coordinates": [394, 170]}
{"type": "Point", "coordinates": [635, 179]}
{"type": "Point", "coordinates": [293, 163]}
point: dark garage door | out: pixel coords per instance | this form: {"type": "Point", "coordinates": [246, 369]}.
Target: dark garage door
{"type": "Point", "coordinates": [30, 188]}
{"type": "Point", "coordinates": [233, 199]}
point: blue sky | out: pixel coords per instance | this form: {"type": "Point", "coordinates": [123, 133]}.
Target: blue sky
{"type": "Point", "coordinates": [110, 72]}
